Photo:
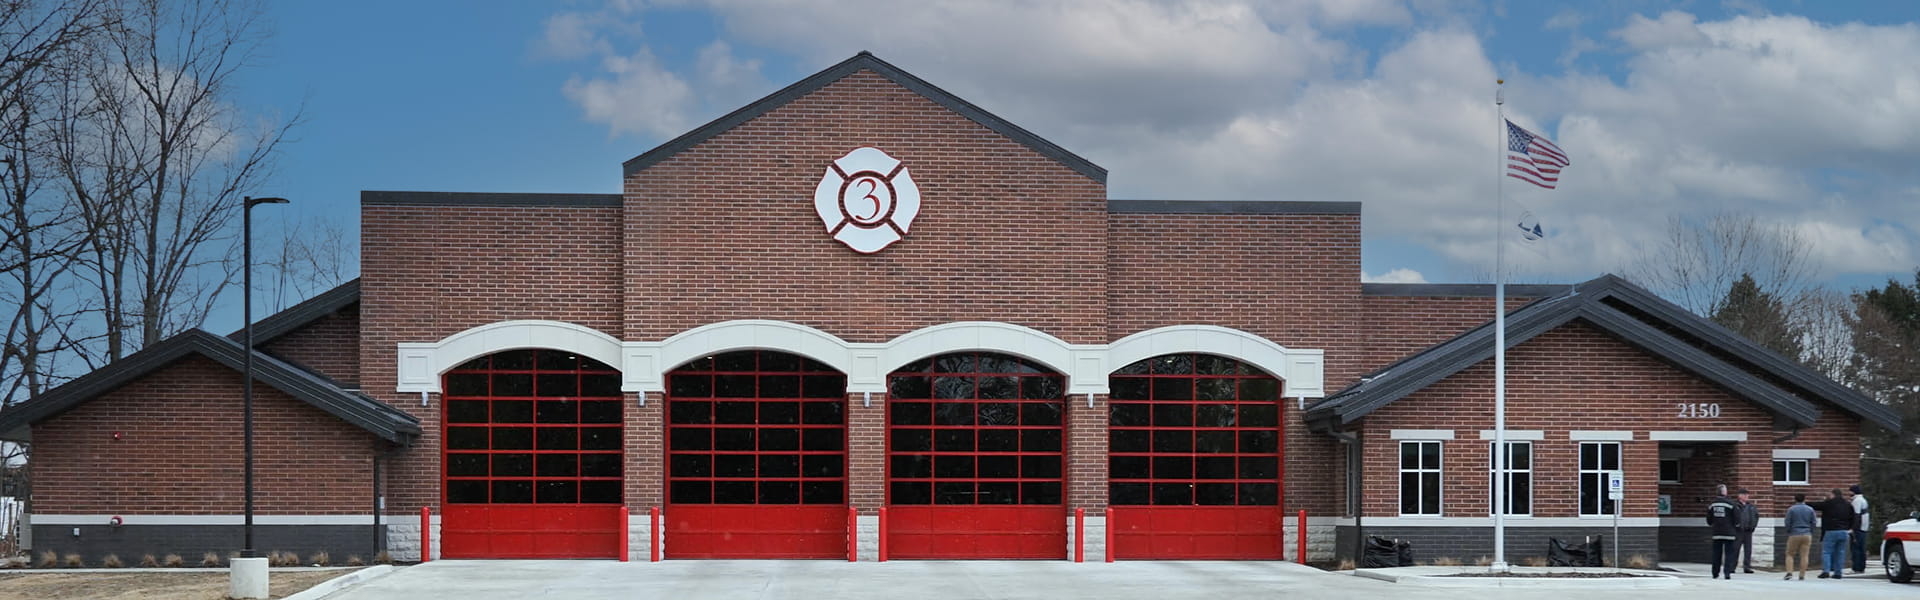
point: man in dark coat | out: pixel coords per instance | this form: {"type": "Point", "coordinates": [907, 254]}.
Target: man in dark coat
{"type": "Point", "coordinates": [1723, 516]}
{"type": "Point", "coordinates": [1837, 520]}
{"type": "Point", "coordinates": [1749, 521]}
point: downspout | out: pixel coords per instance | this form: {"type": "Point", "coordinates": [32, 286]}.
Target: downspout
{"type": "Point", "coordinates": [1354, 488]}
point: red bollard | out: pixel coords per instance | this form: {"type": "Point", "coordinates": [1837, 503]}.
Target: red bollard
{"type": "Point", "coordinates": [1111, 523]}
{"type": "Point", "coordinates": [1301, 535]}
{"type": "Point", "coordinates": [653, 534]}
{"type": "Point", "coordinates": [426, 533]}
{"type": "Point", "coordinates": [626, 517]}
{"type": "Point", "coordinates": [853, 534]}
{"type": "Point", "coordinates": [1079, 535]}
{"type": "Point", "coordinates": [883, 534]}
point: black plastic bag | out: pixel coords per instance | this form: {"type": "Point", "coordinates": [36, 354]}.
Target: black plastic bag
{"type": "Point", "coordinates": [1382, 553]}
{"type": "Point", "coordinates": [1591, 552]}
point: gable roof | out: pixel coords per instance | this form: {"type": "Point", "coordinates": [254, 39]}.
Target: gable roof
{"type": "Point", "coordinates": [864, 61]}
{"type": "Point", "coordinates": [299, 315]}
{"type": "Point", "coordinates": [1637, 317]}
{"type": "Point", "coordinates": [375, 417]}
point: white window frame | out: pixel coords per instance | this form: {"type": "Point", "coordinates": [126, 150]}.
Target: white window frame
{"type": "Point", "coordinates": [1678, 467]}
{"type": "Point", "coordinates": [1806, 471]}
{"type": "Point", "coordinates": [1600, 473]}
{"type": "Point", "coordinates": [1525, 511]}
{"type": "Point", "coordinates": [1438, 471]}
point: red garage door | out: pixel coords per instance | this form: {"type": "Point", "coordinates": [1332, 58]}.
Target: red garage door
{"type": "Point", "coordinates": [533, 457]}
{"type": "Point", "coordinates": [1194, 460]}
{"type": "Point", "coordinates": [756, 460]}
{"type": "Point", "coordinates": [974, 462]}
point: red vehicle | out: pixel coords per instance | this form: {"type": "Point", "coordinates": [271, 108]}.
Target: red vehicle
{"type": "Point", "coordinates": [1896, 550]}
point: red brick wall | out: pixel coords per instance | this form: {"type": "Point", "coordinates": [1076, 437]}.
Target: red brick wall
{"type": "Point", "coordinates": [727, 230]}
{"type": "Point", "coordinates": [180, 451]}
{"type": "Point", "coordinates": [1577, 378]}
{"type": "Point", "coordinates": [329, 345]}
{"type": "Point", "coordinates": [1293, 279]}
{"type": "Point", "coordinates": [428, 272]}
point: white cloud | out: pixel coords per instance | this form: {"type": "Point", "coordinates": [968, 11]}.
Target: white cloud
{"type": "Point", "coordinates": [1673, 28]}
{"type": "Point", "coordinates": [639, 96]}
{"type": "Point", "coordinates": [1395, 276]}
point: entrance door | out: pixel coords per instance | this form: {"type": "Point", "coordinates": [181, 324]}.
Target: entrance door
{"type": "Point", "coordinates": [1194, 460]}
{"type": "Point", "coordinates": [533, 457]}
{"type": "Point", "coordinates": [974, 460]}
{"type": "Point", "coordinates": [756, 458]}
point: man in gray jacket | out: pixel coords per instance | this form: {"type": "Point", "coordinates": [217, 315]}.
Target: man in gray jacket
{"type": "Point", "coordinates": [1749, 520]}
{"type": "Point", "coordinates": [1799, 536]}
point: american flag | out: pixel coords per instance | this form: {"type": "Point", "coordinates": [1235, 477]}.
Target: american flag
{"type": "Point", "coordinates": [1533, 158]}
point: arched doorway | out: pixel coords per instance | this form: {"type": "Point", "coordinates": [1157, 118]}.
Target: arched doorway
{"type": "Point", "coordinates": [756, 458]}
{"type": "Point", "coordinates": [975, 467]}
{"type": "Point", "coordinates": [1194, 459]}
{"type": "Point", "coordinates": [533, 457]}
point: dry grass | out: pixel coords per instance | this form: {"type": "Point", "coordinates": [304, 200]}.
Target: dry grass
{"type": "Point", "coordinates": [1535, 561]}
{"type": "Point", "coordinates": [1346, 564]}
{"type": "Point", "coordinates": [209, 560]}
{"type": "Point", "coordinates": [383, 558]}
{"type": "Point", "coordinates": [1484, 561]}
{"type": "Point", "coordinates": [73, 561]}
{"type": "Point", "coordinates": [320, 559]}
{"type": "Point", "coordinates": [1445, 561]}
{"type": "Point", "coordinates": [112, 561]}
{"type": "Point", "coordinates": [49, 559]}
{"type": "Point", "coordinates": [1639, 561]}
{"type": "Point", "coordinates": [354, 560]}
{"type": "Point", "coordinates": [173, 561]}
{"type": "Point", "coordinates": [148, 561]}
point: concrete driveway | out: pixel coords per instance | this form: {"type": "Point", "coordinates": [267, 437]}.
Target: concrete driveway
{"type": "Point", "coordinates": [920, 580]}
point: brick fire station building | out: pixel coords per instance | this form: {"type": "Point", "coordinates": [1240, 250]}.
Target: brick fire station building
{"type": "Point", "coordinates": [865, 293]}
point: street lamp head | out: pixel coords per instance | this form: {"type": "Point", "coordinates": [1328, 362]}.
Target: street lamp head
{"type": "Point", "coordinates": [251, 201]}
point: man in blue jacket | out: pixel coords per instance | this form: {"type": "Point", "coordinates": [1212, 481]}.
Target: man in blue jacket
{"type": "Point", "coordinates": [1723, 516]}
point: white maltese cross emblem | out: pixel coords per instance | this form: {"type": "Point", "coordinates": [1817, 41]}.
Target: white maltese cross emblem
{"type": "Point", "coordinates": [867, 200]}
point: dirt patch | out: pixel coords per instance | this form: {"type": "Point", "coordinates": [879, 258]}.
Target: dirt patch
{"type": "Point", "coordinates": [1548, 575]}
{"type": "Point", "coordinates": [145, 586]}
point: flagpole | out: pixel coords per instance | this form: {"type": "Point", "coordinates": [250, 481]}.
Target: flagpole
{"type": "Point", "coordinates": [1500, 337]}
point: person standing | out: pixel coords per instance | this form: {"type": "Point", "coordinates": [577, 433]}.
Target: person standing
{"type": "Point", "coordinates": [1723, 516]}
{"type": "Point", "coordinates": [1749, 520]}
{"type": "Point", "coordinates": [1837, 521]}
{"type": "Point", "coordinates": [1859, 548]}
{"type": "Point", "coordinates": [1800, 525]}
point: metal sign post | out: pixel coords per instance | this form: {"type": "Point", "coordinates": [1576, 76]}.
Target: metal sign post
{"type": "Point", "coordinates": [1616, 491]}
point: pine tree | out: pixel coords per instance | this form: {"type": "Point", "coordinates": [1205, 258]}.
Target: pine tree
{"type": "Point", "coordinates": [1758, 316]}
{"type": "Point", "coordinates": [1886, 365]}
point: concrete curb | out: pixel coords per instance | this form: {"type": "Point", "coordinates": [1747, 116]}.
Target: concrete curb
{"type": "Point", "coordinates": [1438, 577]}
{"type": "Point", "coordinates": [328, 587]}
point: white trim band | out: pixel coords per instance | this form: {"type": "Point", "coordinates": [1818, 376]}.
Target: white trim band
{"type": "Point", "coordinates": [1421, 434]}
{"type": "Point", "coordinates": [1512, 521]}
{"type": "Point", "coordinates": [1516, 435]}
{"type": "Point", "coordinates": [1697, 436]}
{"type": "Point", "coordinates": [1600, 436]}
{"type": "Point", "coordinates": [1795, 453]}
{"type": "Point", "coordinates": [644, 364]}
{"type": "Point", "coordinates": [40, 519]}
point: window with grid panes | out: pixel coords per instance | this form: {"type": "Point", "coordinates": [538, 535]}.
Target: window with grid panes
{"type": "Point", "coordinates": [1420, 478]}
{"type": "Point", "coordinates": [533, 427]}
{"type": "Point", "coordinates": [756, 427]}
{"type": "Point", "coordinates": [1519, 478]}
{"type": "Point", "coordinates": [1596, 460]}
{"type": "Point", "coordinates": [975, 428]}
{"type": "Point", "coordinates": [1193, 429]}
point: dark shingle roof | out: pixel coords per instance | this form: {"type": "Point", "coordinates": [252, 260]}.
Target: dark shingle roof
{"type": "Point", "coordinates": [869, 62]}
{"type": "Point", "coordinates": [1639, 318]}
{"type": "Point", "coordinates": [299, 315]}
{"type": "Point", "coordinates": [366, 413]}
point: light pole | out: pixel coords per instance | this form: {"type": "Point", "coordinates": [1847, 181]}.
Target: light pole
{"type": "Point", "coordinates": [246, 312]}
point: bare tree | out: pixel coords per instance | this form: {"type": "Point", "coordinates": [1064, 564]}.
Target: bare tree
{"type": "Point", "coordinates": [158, 161]}
{"type": "Point", "coordinates": [1697, 262]}
{"type": "Point", "coordinates": [1823, 316]}
{"type": "Point", "coordinates": [315, 255]}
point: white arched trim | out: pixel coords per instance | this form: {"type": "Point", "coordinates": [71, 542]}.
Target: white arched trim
{"type": "Point", "coordinates": [1082, 364]}
{"type": "Point", "coordinates": [647, 363]}
{"type": "Point", "coordinates": [421, 364]}
{"type": "Point", "coordinates": [1303, 371]}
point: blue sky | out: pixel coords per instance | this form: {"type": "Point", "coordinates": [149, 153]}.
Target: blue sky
{"type": "Point", "coordinates": [1803, 114]}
